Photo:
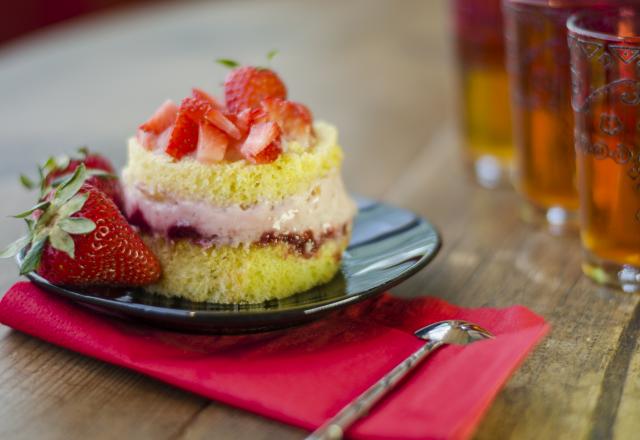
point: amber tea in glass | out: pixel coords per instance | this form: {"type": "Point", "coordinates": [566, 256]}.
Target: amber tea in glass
{"type": "Point", "coordinates": [538, 64]}
{"type": "Point", "coordinates": [605, 57]}
{"type": "Point", "coordinates": [485, 117]}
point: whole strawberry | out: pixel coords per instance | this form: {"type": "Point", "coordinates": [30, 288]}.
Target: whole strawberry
{"type": "Point", "coordinates": [80, 238]}
{"type": "Point", "coordinates": [102, 174]}
{"type": "Point", "coordinates": [245, 87]}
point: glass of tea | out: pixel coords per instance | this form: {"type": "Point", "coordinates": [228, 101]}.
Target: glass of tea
{"type": "Point", "coordinates": [538, 65]}
{"type": "Point", "coordinates": [605, 68]}
{"type": "Point", "coordinates": [485, 118]}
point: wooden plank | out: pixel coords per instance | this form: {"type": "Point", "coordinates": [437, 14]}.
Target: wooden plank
{"type": "Point", "coordinates": [621, 400]}
{"type": "Point", "coordinates": [48, 392]}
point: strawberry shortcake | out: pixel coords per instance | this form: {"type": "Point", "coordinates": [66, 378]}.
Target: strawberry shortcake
{"type": "Point", "coordinates": [242, 201]}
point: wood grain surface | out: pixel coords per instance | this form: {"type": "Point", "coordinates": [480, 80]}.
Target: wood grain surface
{"type": "Point", "coordinates": [382, 71]}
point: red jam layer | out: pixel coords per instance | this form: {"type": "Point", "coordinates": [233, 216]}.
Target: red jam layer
{"type": "Point", "coordinates": [302, 243]}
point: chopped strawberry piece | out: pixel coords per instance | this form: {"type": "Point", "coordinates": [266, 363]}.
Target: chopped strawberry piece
{"type": "Point", "coordinates": [146, 139]}
{"type": "Point", "coordinates": [260, 137]}
{"type": "Point", "coordinates": [247, 117]}
{"type": "Point", "coordinates": [217, 118]}
{"type": "Point", "coordinates": [162, 118]}
{"type": "Point", "coordinates": [194, 107]}
{"type": "Point", "coordinates": [233, 153]}
{"type": "Point", "coordinates": [212, 143]}
{"type": "Point", "coordinates": [162, 140]}
{"type": "Point", "coordinates": [294, 119]}
{"type": "Point", "coordinates": [204, 96]}
{"type": "Point", "coordinates": [270, 153]}
{"type": "Point", "coordinates": [246, 86]}
{"type": "Point", "coordinates": [184, 136]}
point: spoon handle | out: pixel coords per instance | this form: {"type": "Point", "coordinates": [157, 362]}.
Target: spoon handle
{"type": "Point", "coordinates": [334, 428]}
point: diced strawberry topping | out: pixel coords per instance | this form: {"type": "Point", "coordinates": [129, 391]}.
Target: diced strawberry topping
{"type": "Point", "coordinates": [256, 120]}
{"type": "Point", "coordinates": [294, 119]}
{"type": "Point", "coordinates": [217, 118]}
{"type": "Point", "coordinates": [146, 139]}
{"type": "Point", "coordinates": [184, 137]}
{"type": "Point", "coordinates": [246, 86]}
{"type": "Point", "coordinates": [270, 153]}
{"type": "Point", "coordinates": [162, 118]}
{"type": "Point", "coordinates": [162, 140]}
{"type": "Point", "coordinates": [247, 117]}
{"type": "Point", "coordinates": [260, 137]}
{"type": "Point", "coordinates": [212, 143]}
{"type": "Point", "coordinates": [194, 107]}
{"type": "Point", "coordinates": [202, 95]}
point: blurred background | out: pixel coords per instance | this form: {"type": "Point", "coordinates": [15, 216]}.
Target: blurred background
{"type": "Point", "coordinates": [89, 72]}
{"type": "Point", "coordinates": [24, 17]}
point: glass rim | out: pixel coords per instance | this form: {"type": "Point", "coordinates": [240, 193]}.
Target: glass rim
{"type": "Point", "coordinates": [577, 26]}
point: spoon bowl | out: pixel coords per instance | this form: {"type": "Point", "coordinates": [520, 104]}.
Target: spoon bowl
{"type": "Point", "coordinates": [453, 332]}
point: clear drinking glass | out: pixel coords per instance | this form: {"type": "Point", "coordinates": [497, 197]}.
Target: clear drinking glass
{"type": "Point", "coordinates": [605, 66]}
{"type": "Point", "coordinates": [484, 112]}
{"type": "Point", "coordinates": [538, 65]}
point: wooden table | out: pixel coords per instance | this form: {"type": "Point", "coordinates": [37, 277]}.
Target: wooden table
{"type": "Point", "coordinates": [380, 70]}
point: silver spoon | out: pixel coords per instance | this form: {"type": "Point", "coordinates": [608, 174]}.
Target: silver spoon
{"type": "Point", "coordinates": [436, 335]}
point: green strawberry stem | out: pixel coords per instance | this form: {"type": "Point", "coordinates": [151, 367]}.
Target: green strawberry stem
{"type": "Point", "coordinates": [27, 182]}
{"type": "Point", "coordinates": [54, 164]}
{"type": "Point", "coordinates": [271, 55]}
{"type": "Point", "coordinates": [231, 64]}
{"type": "Point", "coordinates": [55, 224]}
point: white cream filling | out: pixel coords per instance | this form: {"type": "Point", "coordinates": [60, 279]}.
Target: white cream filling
{"type": "Point", "coordinates": [326, 206]}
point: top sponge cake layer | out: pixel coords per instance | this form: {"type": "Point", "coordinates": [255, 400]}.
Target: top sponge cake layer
{"type": "Point", "coordinates": [236, 182]}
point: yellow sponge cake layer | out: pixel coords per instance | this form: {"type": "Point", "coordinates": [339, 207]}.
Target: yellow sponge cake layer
{"type": "Point", "coordinates": [237, 182]}
{"type": "Point", "coordinates": [225, 274]}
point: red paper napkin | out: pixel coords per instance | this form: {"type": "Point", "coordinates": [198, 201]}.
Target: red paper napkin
{"type": "Point", "coordinates": [306, 374]}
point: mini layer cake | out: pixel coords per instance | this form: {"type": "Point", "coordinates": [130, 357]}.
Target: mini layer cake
{"type": "Point", "coordinates": [264, 218]}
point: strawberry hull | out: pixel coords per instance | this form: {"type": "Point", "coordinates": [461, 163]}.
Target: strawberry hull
{"type": "Point", "coordinates": [112, 254]}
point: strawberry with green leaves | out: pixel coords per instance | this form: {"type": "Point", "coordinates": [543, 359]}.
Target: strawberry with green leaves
{"type": "Point", "coordinates": [78, 237]}
{"type": "Point", "coordinates": [102, 175]}
{"type": "Point", "coordinates": [245, 87]}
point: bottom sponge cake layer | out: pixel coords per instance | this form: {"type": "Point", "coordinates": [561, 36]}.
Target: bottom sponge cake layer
{"type": "Point", "coordinates": [226, 274]}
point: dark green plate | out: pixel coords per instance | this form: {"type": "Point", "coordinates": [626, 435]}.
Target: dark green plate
{"type": "Point", "coordinates": [388, 246]}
